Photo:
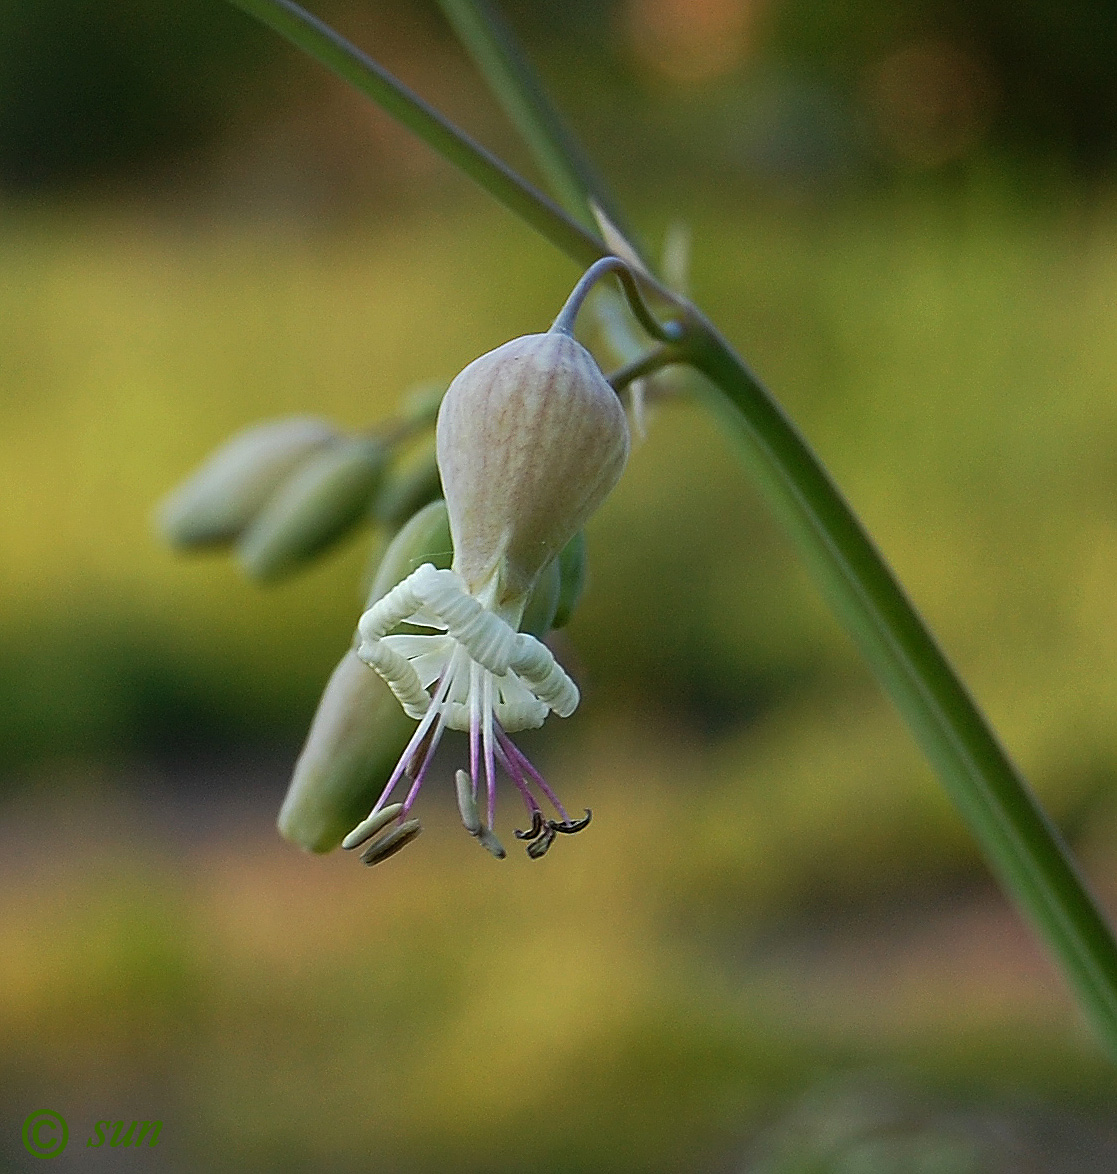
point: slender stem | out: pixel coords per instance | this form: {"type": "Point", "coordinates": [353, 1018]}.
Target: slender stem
{"type": "Point", "coordinates": [332, 50]}
{"type": "Point", "coordinates": [1024, 849]}
{"type": "Point", "coordinates": [647, 364]}
{"type": "Point", "coordinates": [489, 40]}
{"type": "Point", "coordinates": [661, 331]}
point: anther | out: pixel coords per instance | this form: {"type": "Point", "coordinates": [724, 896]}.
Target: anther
{"type": "Point", "coordinates": [390, 844]}
{"type": "Point", "coordinates": [538, 848]}
{"type": "Point", "coordinates": [536, 829]}
{"type": "Point", "coordinates": [366, 830]}
{"type": "Point", "coordinates": [570, 826]}
{"type": "Point", "coordinates": [467, 804]}
{"type": "Point", "coordinates": [491, 843]}
{"type": "Point", "coordinates": [415, 763]}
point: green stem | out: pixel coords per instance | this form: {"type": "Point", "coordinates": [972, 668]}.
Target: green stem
{"type": "Point", "coordinates": [332, 50]}
{"type": "Point", "coordinates": [1021, 845]}
{"type": "Point", "coordinates": [647, 364]}
{"type": "Point", "coordinates": [492, 45]}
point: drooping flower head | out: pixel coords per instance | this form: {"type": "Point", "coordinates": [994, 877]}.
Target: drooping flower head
{"type": "Point", "coordinates": [531, 438]}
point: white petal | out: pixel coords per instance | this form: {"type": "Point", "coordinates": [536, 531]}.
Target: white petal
{"type": "Point", "coordinates": [430, 667]}
{"type": "Point", "coordinates": [518, 708]}
{"type": "Point", "coordinates": [410, 646]}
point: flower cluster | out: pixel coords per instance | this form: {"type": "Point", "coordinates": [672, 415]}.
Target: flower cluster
{"type": "Point", "coordinates": [529, 440]}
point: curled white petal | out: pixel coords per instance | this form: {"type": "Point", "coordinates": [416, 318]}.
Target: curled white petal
{"type": "Point", "coordinates": [536, 666]}
{"type": "Point", "coordinates": [529, 682]}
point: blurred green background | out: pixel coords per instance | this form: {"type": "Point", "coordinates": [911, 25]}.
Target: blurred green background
{"type": "Point", "coordinates": [776, 951]}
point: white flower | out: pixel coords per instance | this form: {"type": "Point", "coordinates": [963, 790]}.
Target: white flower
{"type": "Point", "coordinates": [531, 438]}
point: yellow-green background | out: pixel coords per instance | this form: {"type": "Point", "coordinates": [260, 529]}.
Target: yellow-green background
{"type": "Point", "coordinates": [774, 901]}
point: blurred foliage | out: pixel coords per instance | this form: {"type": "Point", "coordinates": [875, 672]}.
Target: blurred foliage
{"type": "Point", "coordinates": [90, 89]}
{"type": "Point", "coordinates": [281, 1013]}
{"type": "Point", "coordinates": [951, 358]}
{"type": "Point", "coordinates": [773, 953]}
{"type": "Point", "coordinates": [1039, 70]}
{"type": "Point", "coordinates": [940, 353]}
{"type": "Point", "coordinates": [774, 895]}
{"type": "Point", "coordinates": [803, 92]}
{"type": "Point", "coordinates": [869, 1124]}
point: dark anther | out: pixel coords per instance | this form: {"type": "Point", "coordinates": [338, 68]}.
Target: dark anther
{"type": "Point", "coordinates": [571, 826]}
{"type": "Point", "coordinates": [543, 831]}
{"type": "Point", "coordinates": [539, 847]}
{"type": "Point", "coordinates": [536, 829]}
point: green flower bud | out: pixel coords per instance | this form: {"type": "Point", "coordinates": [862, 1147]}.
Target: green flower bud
{"type": "Point", "coordinates": [215, 504]}
{"type": "Point", "coordinates": [572, 579]}
{"type": "Point", "coordinates": [354, 741]}
{"type": "Point", "coordinates": [421, 402]}
{"type": "Point", "coordinates": [539, 614]}
{"type": "Point", "coordinates": [406, 491]}
{"type": "Point", "coordinates": [323, 499]}
{"type": "Point", "coordinates": [425, 539]}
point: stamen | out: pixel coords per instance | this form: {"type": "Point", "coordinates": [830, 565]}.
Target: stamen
{"type": "Point", "coordinates": [471, 817]}
{"type": "Point", "coordinates": [436, 737]}
{"type": "Point", "coordinates": [515, 774]}
{"type": "Point", "coordinates": [515, 754]}
{"type": "Point", "coordinates": [489, 841]}
{"type": "Point", "coordinates": [422, 753]}
{"type": "Point", "coordinates": [487, 738]}
{"type": "Point", "coordinates": [536, 829]}
{"type": "Point", "coordinates": [538, 849]}
{"type": "Point", "coordinates": [433, 736]}
{"type": "Point", "coordinates": [467, 803]}
{"type": "Point", "coordinates": [417, 737]}
{"type": "Point", "coordinates": [374, 823]}
{"type": "Point", "coordinates": [474, 722]}
{"type": "Point", "coordinates": [390, 844]}
{"type": "Point", "coordinates": [571, 826]}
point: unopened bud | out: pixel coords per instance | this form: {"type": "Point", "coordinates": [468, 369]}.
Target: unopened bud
{"type": "Point", "coordinates": [406, 491]}
{"type": "Point", "coordinates": [531, 438]}
{"type": "Point", "coordinates": [355, 739]}
{"type": "Point", "coordinates": [323, 499]}
{"type": "Point", "coordinates": [539, 614]}
{"type": "Point", "coordinates": [425, 539]}
{"type": "Point", "coordinates": [572, 579]}
{"type": "Point", "coordinates": [220, 499]}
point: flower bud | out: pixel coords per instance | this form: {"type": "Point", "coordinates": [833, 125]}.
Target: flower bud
{"type": "Point", "coordinates": [354, 741]}
{"type": "Point", "coordinates": [531, 438]}
{"type": "Point", "coordinates": [572, 579]}
{"type": "Point", "coordinates": [425, 539]}
{"type": "Point", "coordinates": [539, 612]}
{"type": "Point", "coordinates": [406, 491]}
{"type": "Point", "coordinates": [420, 403]}
{"type": "Point", "coordinates": [221, 498]}
{"type": "Point", "coordinates": [323, 499]}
